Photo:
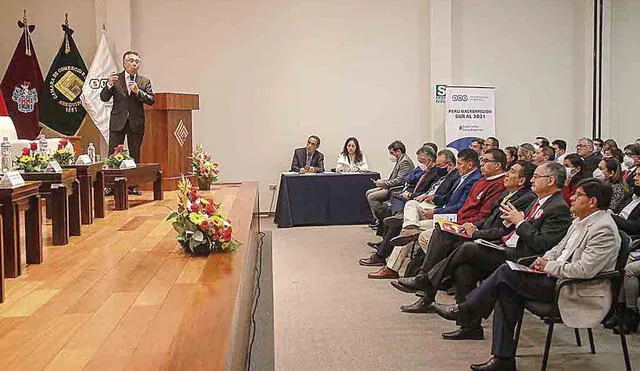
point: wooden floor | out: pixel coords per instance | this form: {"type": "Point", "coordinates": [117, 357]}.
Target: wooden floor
{"type": "Point", "coordinates": [114, 298]}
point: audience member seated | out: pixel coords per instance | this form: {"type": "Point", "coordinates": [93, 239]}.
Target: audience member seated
{"type": "Point", "coordinates": [591, 157]}
{"type": "Point", "coordinates": [526, 151]}
{"type": "Point", "coordinates": [490, 143]}
{"type": "Point", "coordinates": [614, 153]}
{"type": "Point", "coordinates": [432, 145]}
{"type": "Point", "coordinates": [632, 159]}
{"type": "Point", "coordinates": [518, 193]}
{"type": "Point", "coordinates": [418, 216]}
{"type": "Point", "coordinates": [440, 180]}
{"type": "Point", "coordinates": [403, 165]}
{"type": "Point", "coordinates": [628, 300]}
{"type": "Point", "coordinates": [533, 232]}
{"type": "Point", "coordinates": [540, 142]}
{"type": "Point", "coordinates": [476, 145]}
{"type": "Point", "coordinates": [512, 156]}
{"type": "Point", "coordinates": [543, 154]}
{"type": "Point", "coordinates": [628, 219]}
{"type": "Point", "coordinates": [309, 159]}
{"type": "Point", "coordinates": [560, 148]}
{"type": "Point", "coordinates": [597, 145]}
{"type": "Point", "coordinates": [574, 166]}
{"type": "Point", "coordinates": [590, 247]}
{"type": "Point", "coordinates": [609, 144]}
{"type": "Point", "coordinates": [418, 181]}
{"type": "Point", "coordinates": [609, 170]}
{"type": "Point", "coordinates": [351, 160]}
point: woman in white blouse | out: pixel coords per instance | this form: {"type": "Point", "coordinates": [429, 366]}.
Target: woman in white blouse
{"type": "Point", "coordinates": [351, 159]}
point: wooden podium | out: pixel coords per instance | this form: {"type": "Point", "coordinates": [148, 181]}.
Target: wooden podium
{"type": "Point", "coordinates": [168, 135]}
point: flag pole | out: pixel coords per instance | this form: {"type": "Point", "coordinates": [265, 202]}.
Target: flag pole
{"type": "Point", "coordinates": [67, 48]}
{"type": "Point", "coordinates": [27, 46]}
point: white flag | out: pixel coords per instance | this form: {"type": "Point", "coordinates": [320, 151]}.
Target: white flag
{"type": "Point", "coordinates": [102, 67]}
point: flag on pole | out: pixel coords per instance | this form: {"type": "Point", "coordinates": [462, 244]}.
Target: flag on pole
{"type": "Point", "coordinates": [101, 68]}
{"type": "Point", "coordinates": [60, 106]}
{"type": "Point", "coordinates": [22, 84]}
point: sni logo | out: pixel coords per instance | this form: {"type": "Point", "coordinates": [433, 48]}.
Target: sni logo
{"type": "Point", "coordinates": [459, 98]}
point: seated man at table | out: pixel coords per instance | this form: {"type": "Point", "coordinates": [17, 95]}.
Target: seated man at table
{"type": "Point", "coordinates": [380, 194]}
{"type": "Point", "coordinates": [590, 247]}
{"type": "Point", "coordinates": [309, 159]}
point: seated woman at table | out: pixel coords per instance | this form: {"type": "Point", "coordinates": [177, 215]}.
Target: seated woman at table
{"type": "Point", "coordinates": [351, 160]}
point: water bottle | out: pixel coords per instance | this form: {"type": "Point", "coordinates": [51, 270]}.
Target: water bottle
{"type": "Point", "coordinates": [7, 161]}
{"type": "Point", "coordinates": [43, 146]}
{"type": "Point", "coordinates": [91, 152]}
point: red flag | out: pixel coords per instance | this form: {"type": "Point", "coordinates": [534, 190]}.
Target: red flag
{"type": "Point", "coordinates": [3, 107]}
{"type": "Point", "coordinates": [21, 85]}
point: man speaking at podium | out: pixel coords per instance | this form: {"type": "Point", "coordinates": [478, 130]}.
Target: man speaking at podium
{"type": "Point", "coordinates": [129, 91]}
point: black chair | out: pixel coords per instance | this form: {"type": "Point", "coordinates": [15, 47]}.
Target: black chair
{"type": "Point", "coordinates": [550, 313]}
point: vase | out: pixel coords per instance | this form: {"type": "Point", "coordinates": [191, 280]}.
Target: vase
{"type": "Point", "coordinates": [204, 184]}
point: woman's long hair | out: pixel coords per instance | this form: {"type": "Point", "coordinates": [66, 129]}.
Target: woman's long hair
{"type": "Point", "coordinates": [613, 165]}
{"type": "Point", "coordinates": [358, 154]}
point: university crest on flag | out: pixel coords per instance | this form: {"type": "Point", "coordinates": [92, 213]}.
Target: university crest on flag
{"type": "Point", "coordinates": [60, 108]}
{"type": "Point", "coordinates": [25, 96]}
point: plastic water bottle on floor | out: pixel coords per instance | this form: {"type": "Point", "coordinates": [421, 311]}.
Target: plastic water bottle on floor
{"type": "Point", "coordinates": [91, 152]}
{"type": "Point", "coordinates": [7, 161]}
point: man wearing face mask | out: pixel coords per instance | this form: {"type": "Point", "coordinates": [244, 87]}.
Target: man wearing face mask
{"type": "Point", "coordinates": [631, 160]}
{"type": "Point", "coordinates": [446, 178]}
{"type": "Point", "coordinates": [628, 219]}
{"type": "Point", "coordinates": [418, 181]}
{"type": "Point", "coordinates": [403, 165]}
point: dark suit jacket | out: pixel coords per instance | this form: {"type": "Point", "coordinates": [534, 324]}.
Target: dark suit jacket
{"type": "Point", "coordinates": [591, 163]}
{"type": "Point", "coordinates": [426, 183]}
{"type": "Point", "coordinates": [630, 225]}
{"type": "Point", "coordinates": [491, 228]}
{"type": "Point", "coordinates": [539, 235]}
{"type": "Point", "coordinates": [300, 159]}
{"type": "Point", "coordinates": [448, 184]}
{"type": "Point", "coordinates": [128, 106]}
{"type": "Point", "coordinates": [453, 201]}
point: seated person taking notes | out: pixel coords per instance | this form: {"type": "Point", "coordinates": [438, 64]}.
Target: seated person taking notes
{"type": "Point", "coordinates": [351, 160]}
{"type": "Point", "coordinates": [309, 159]}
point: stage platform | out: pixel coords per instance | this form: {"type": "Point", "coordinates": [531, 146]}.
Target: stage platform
{"type": "Point", "coordinates": [125, 296]}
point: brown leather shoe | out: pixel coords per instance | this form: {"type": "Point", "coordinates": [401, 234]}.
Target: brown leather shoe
{"type": "Point", "coordinates": [407, 235]}
{"type": "Point", "coordinates": [373, 261]}
{"type": "Point", "coordinates": [383, 273]}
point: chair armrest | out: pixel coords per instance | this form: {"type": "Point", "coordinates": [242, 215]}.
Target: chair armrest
{"type": "Point", "coordinates": [611, 275]}
{"type": "Point", "coordinates": [528, 260]}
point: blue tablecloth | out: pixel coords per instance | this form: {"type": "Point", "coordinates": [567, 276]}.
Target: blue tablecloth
{"type": "Point", "coordinates": [324, 199]}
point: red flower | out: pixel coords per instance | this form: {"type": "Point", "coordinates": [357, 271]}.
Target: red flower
{"type": "Point", "coordinates": [34, 146]}
{"type": "Point", "coordinates": [60, 146]}
{"type": "Point", "coordinates": [193, 195]}
{"type": "Point", "coordinates": [205, 224]}
{"type": "Point", "coordinates": [195, 208]}
{"type": "Point", "coordinates": [119, 148]}
{"type": "Point", "coordinates": [226, 235]}
{"type": "Point", "coordinates": [63, 142]}
{"type": "Point", "coordinates": [26, 151]}
{"type": "Point", "coordinates": [210, 209]}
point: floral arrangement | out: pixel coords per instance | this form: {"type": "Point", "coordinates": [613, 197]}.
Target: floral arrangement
{"type": "Point", "coordinates": [115, 159]}
{"type": "Point", "coordinates": [202, 166]}
{"type": "Point", "coordinates": [63, 155]}
{"type": "Point", "coordinates": [31, 160]}
{"type": "Point", "coordinates": [202, 228]}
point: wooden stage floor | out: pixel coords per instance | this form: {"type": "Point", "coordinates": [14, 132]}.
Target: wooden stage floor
{"type": "Point", "coordinates": [125, 296]}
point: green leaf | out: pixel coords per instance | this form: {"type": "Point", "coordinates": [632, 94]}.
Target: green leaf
{"type": "Point", "coordinates": [172, 216]}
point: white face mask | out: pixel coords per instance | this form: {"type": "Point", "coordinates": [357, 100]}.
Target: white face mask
{"type": "Point", "coordinates": [569, 172]}
{"type": "Point", "coordinates": [537, 147]}
{"type": "Point", "coordinates": [628, 161]}
{"type": "Point", "coordinates": [393, 158]}
{"type": "Point", "coordinates": [598, 174]}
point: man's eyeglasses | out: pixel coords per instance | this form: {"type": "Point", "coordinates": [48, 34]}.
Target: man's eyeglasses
{"type": "Point", "coordinates": [536, 176]}
{"type": "Point", "coordinates": [483, 161]}
{"type": "Point", "coordinates": [131, 60]}
{"type": "Point", "coordinates": [578, 194]}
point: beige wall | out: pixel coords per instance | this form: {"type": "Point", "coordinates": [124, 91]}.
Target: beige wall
{"type": "Point", "coordinates": [270, 73]}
